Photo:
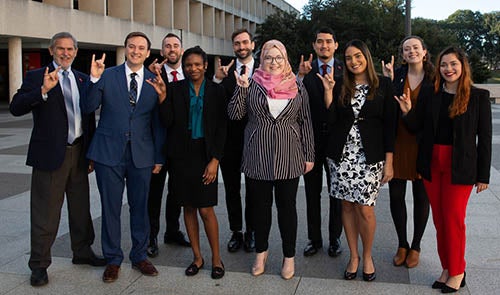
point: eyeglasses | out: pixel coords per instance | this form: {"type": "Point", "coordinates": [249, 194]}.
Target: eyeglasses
{"type": "Point", "coordinates": [269, 59]}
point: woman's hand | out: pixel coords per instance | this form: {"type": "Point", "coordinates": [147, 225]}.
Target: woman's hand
{"type": "Point", "coordinates": [388, 69]}
{"type": "Point", "coordinates": [242, 80]}
{"type": "Point", "coordinates": [481, 187]}
{"type": "Point", "coordinates": [308, 167]}
{"type": "Point", "coordinates": [159, 86]}
{"type": "Point", "coordinates": [210, 173]}
{"type": "Point", "coordinates": [388, 172]}
{"type": "Point", "coordinates": [328, 81]}
{"type": "Point", "coordinates": [404, 102]}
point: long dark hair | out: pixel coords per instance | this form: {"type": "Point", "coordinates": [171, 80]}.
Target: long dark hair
{"type": "Point", "coordinates": [349, 85]}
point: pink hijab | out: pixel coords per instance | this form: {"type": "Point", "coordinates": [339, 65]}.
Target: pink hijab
{"type": "Point", "coordinates": [282, 86]}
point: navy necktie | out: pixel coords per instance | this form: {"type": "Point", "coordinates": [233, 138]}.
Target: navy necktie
{"type": "Point", "coordinates": [70, 109]}
{"type": "Point", "coordinates": [132, 94]}
{"type": "Point", "coordinates": [242, 69]}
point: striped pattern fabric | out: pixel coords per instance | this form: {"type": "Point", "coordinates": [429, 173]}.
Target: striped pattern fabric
{"type": "Point", "coordinates": [274, 149]}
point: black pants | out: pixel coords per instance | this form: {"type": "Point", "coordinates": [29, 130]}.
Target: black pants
{"type": "Point", "coordinates": [313, 182]}
{"type": "Point", "coordinates": [172, 208]}
{"type": "Point", "coordinates": [397, 192]}
{"type": "Point", "coordinates": [230, 167]}
{"type": "Point", "coordinates": [261, 199]}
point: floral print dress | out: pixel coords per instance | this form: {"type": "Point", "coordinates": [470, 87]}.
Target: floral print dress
{"type": "Point", "coordinates": [352, 179]}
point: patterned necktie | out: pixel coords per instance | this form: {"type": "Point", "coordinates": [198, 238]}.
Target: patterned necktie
{"type": "Point", "coordinates": [242, 69]}
{"type": "Point", "coordinates": [324, 69]}
{"type": "Point", "coordinates": [70, 109]}
{"type": "Point", "coordinates": [132, 94]}
{"type": "Point", "coordinates": [174, 74]}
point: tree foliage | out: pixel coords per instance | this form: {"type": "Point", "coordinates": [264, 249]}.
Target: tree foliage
{"type": "Point", "coordinates": [380, 23]}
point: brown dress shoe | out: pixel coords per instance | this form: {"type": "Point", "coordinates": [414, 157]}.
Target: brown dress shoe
{"type": "Point", "coordinates": [146, 268]}
{"type": "Point", "coordinates": [110, 273]}
{"type": "Point", "coordinates": [400, 257]}
{"type": "Point", "coordinates": [412, 258]}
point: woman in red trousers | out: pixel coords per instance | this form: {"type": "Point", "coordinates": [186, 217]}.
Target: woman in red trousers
{"type": "Point", "coordinates": [453, 124]}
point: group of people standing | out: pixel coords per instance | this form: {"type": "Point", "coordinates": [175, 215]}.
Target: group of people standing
{"type": "Point", "coordinates": [255, 116]}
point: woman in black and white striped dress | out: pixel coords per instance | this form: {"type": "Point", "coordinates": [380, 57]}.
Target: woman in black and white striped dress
{"type": "Point", "coordinates": [278, 148]}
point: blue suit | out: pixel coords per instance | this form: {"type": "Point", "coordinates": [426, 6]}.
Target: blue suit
{"type": "Point", "coordinates": [127, 143]}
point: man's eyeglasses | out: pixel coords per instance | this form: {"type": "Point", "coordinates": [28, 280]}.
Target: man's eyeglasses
{"type": "Point", "coordinates": [269, 59]}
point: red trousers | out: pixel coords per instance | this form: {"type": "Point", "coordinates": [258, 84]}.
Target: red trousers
{"type": "Point", "coordinates": [448, 203]}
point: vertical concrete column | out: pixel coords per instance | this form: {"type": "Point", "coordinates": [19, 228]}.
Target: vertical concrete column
{"type": "Point", "coordinates": [15, 65]}
{"type": "Point", "coordinates": [120, 55]}
{"type": "Point", "coordinates": [95, 6]}
{"type": "Point", "coordinates": [60, 3]}
{"type": "Point", "coordinates": [164, 10]}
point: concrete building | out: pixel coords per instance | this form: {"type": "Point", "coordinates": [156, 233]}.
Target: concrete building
{"type": "Point", "coordinates": [26, 27]}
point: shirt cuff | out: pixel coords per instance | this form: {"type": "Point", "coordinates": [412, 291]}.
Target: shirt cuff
{"type": "Point", "coordinates": [94, 79]}
{"type": "Point", "coordinates": [45, 96]}
{"type": "Point", "coordinates": [215, 80]}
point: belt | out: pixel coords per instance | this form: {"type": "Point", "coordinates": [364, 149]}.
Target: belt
{"type": "Point", "coordinates": [76, 141]}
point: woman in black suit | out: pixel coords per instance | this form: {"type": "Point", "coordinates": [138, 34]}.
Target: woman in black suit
{"type": "Point", "coordinates": [362, 116]}
{"type": "Point", "coordinates": [453, 123]}
{"type": "Point", "coordinates": [194, 115]}
{"type": "Point", "coordinates": [278, 148]}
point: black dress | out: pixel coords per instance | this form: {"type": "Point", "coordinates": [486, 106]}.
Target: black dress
{"type": "Point", "coordinates": [188, 157]}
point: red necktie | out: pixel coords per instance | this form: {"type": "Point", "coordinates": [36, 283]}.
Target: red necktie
{"type": "Point", "coordinates": [174, 73]}
{"type": "Point", "coordinates": [324, 69]}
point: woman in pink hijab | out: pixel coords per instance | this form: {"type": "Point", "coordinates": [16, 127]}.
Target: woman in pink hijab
{"type": "Point", "coordinates": [278, 148]}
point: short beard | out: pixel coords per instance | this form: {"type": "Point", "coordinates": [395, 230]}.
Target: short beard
{"type": "Point", "coordinates": [238, 54]}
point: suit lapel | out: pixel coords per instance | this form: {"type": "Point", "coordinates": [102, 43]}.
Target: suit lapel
{"type": "Point", "coordinates": [121, 81]}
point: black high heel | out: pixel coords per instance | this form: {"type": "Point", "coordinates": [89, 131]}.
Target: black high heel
{"type": "Point", "coordinates": [351, 275]}
{"type": "Point", "coordinates": [448, 289]}
{"type": "Point", "coordinates": [370, 276]}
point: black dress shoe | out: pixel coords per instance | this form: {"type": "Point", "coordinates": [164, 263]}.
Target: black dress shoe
{"type": "Point", "coordinates": [218, 271]}
{"type": "Point", "coordinates": [249, 244]}
{"type": "Point", "coordinates": [334, 250]}
{"type": "Point", "coordinates": [370, 276]}
{"type": "Point", "coordinates": [236, 242]}
{"type": "Point", "coordinates": [311, 249]}
{"type": "Point", "coordinates": [176, 238]}
{"type": "Point", "coordinates": [193, 269]}
{"type": "Point", "coordinates": [92, 260]}
{"type": "Point", "coordinates": [351, 275]}
{"type": "Point", "coordinates": [152, 250]}
{"type": "Point", "coordinates": [39, 277]}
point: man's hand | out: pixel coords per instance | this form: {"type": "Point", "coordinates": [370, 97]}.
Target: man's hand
{"type": "Point", "coordinates": [305, 66]}
{"type": "Point", "coordinates": [157, 168]}
{"type": "Point", "coordinates": [222, 71]}
{"type": "Point", "coordinates": [97, 66]}
{"type": "Point", "coordinates": [242, 80]}
{"type": "Point", "coordinates": [156, 66]}
{"type": "Point", "coordinates": [50, 80]}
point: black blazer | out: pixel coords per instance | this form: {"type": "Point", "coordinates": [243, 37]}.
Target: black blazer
{"type": "Point", "coordinates": [49, 136]}
{"type": "Point", "coordinates": [377, 121]}
{"type": "Point", "coordinates": [471, 156]}
{"type": "Point", "coordinates": [174, 113]}
{"type": "Point", "coordinates": [319, 112]}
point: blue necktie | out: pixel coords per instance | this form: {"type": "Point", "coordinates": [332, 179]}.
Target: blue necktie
{"type": "Point", "coordinates": [132, 94]}
{"type": "Point", "coordinates": [70, 109]}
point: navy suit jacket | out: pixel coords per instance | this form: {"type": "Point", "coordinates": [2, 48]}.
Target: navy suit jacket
{"type": "Point", "coordinates": [119, 122]}
{"type": "Point", "coordinates": [49, 136]}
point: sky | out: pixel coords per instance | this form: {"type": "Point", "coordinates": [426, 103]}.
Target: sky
{"type": "Point", "coordinates": [432, 9]}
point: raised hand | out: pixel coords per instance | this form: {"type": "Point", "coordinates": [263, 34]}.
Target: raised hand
{"type": "Point", "coordinates": [328, 81]}
{"type": "Point", "coordinates": [388, 69]}
{"type": "Point", "coordinates": [155, 65]}
{"type": "Point", "coordinates": [404, 102]}
{"type": "Point", "coordinates": [159, 86]}
{"type": "Point", "coordinates": [305, 66]}
{"type": "Point", "coordinates": [50, 80]}
{"type": "Point", "coordinates": [242, 80]}
{"type": "Point", "coordinates": [97, 66]}
{"type": "Point", "coordinates": [222, 71]}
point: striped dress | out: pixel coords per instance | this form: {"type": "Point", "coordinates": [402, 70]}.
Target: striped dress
{"type": "Point", "coordinates": [274, 148]}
